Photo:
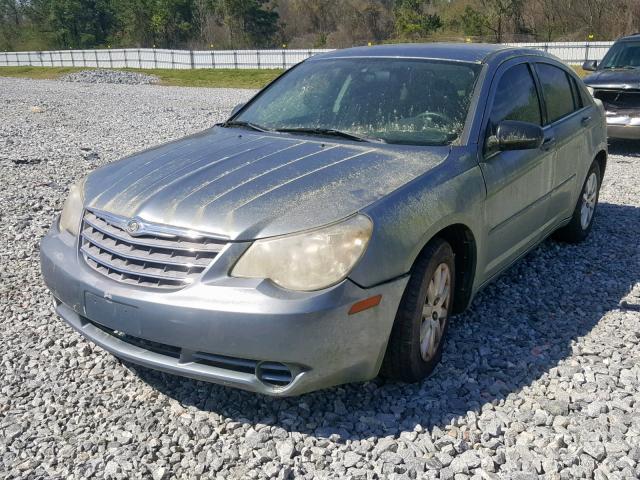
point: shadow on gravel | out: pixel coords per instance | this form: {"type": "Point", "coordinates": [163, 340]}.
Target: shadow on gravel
{"type": "Point", "coordinates": [626, 148]}
{"type": "Point", "coordinates": [516, 330]}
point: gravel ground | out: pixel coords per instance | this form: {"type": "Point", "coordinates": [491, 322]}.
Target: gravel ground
{"type": "Point", "coordinates": [540, 378]}
{"type": "Point", "coordinates": [110, 76]}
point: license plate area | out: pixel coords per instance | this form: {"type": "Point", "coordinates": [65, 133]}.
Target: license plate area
{"type": "Point", "coordinates": [115, 315]}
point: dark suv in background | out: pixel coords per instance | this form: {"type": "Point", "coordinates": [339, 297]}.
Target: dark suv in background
{"type": "Point", "coordinates": [616, 81]}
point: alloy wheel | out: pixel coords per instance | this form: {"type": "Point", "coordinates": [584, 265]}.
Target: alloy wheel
{"type": "Point", "coordinates": [435, 311]}
{"type": "Point", "coordinates": [589, 198]}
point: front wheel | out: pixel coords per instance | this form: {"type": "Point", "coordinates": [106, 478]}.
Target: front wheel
{"type": "Point", "coordinates": [415, 344]}
{"type": "Point", "coordinates": [582, 220]}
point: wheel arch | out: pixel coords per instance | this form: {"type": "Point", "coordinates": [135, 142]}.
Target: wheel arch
{"type": "Point", "coordinates": [601, 158]}
{"type": "Point", "coordinates": [463, 243]}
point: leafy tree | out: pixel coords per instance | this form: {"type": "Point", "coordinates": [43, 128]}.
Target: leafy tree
{"type": "Point", "coordinates": [46, 24]}
{"type": "Point", "coordinates": [10, 21]}
{"type": "Point", "coordinates": [164, 23]}
{"type": "Point", "coordinates": [250, 23]}
{"type": "Point", "coordinates": [473, 22]}
{"type": "Point", "coordinates": [133, 23]}
{"type": "Point", "coordinates": [76, 23]}
{"type": "Point", "coordinates": [172, 21]}
{"type": "Point", "coordinates": [412, 19]}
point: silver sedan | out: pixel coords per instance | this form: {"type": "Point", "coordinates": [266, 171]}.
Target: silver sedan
{"type": "Point", "coordinates": [330, 229]}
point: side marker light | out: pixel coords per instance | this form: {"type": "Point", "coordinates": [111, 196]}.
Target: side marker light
{"type": "Point", "coordinates": [365, 304]}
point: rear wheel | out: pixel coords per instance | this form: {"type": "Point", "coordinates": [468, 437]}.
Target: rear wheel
{"type": "Point", "coordinates": [420, 327]}
{"type": "Point", "coordinates": [582, 220]}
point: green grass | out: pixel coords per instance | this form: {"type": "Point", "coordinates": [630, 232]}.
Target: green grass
{"type": "Point", "coordinates": [219, 78]}
{"type": "Point", "coordinates": [39, 73]}
{"type": "Point", "coordinates": [578, 69]}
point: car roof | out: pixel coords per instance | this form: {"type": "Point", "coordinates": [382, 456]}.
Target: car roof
{"type": "Point", "coordinates": [628, 38]}
{"type": "Point", "coordinates": [462, 52]}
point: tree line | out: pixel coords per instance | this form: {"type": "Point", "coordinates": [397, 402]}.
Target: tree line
{"type": "Point", "coordinates": [225, 24]}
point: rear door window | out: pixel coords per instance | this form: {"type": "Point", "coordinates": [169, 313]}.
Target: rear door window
{"type": "Point", "coordinates": [557, 91]}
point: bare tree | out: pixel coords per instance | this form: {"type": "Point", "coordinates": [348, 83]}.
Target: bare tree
{"type": "Point", "coordinates": [499, 16]}
{"type": "Point", "coordinates": [548, 18]}
{"type": "Point", "coordinates": [593, 13]}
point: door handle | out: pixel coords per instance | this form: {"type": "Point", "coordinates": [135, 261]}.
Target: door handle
{"type": "Point", "coordinates": [548, 143]}
{"type": "Point", "coordinates": [586, 121]}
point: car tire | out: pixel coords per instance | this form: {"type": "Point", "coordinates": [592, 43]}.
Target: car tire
{"type": "Point", "coordinates": [582, 219]}
{"type": "Point", "coordinates": [417, 337]}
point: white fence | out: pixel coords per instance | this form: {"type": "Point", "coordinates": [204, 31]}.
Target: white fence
{"type": "Point", "coordinates": [573, 53]}
{"type": "Point", "coordinates": [570, 52]}
{"type": "Point", "coordinates": [158, 58]}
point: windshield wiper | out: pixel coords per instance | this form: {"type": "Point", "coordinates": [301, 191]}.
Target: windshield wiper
{"type": "Point", "coordinates": [331, 132]}
{"type": "Point", "coordinates": [241, 123]}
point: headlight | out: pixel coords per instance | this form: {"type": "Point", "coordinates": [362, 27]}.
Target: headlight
{"type": "Point", "coordinates": [308, 261]}
{"type": "Point", "coordinates": [72, 211]}
{"type": "Point", "coordinates": [591, 90]}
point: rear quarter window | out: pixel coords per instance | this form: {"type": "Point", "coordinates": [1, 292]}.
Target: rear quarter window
{"type": "Point", "coordinates": [577, 99]}
{"type": "Point", "coordinates": [585, 97]}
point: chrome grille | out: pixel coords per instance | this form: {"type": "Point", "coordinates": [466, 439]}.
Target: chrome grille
{"type": "Point", "coordinates": [152, 258]}
{"type": "Point", "coordinates": [618, 99]}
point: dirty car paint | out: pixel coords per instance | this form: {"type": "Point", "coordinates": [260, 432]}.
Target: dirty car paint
{"type": "Point", "coordinates": [242, 186]}
{"type": "Point", "coordinates": [253, 185]}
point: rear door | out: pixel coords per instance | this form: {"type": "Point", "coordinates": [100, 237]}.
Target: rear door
{"type": "Point", "coordinates": [567, 119]}
{"type": "Point", "coordinates": [518, 182]}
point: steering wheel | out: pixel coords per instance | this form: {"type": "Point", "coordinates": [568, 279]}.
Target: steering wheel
{"type": "Point", "coordinates": [434, 117]}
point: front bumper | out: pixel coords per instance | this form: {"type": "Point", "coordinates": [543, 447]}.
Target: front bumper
{"type": "Point", "coordinates": [624, 126]}
{"type": "Point", "coordinates": [245, 325]}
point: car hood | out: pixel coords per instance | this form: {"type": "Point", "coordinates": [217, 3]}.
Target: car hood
{"type": "Point", "coordinates": [619, 78]}
{"type": "Point", "coordinates": [243, 185]}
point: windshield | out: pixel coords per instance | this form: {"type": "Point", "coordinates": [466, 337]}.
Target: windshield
{"type": "Point", "coordinates": [405, 101]}
{"type": "Point", "coordinates": [622, 55]}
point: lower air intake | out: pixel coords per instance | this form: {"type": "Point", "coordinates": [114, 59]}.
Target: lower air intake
{"type": "Point", "coordinates": [273, 374]}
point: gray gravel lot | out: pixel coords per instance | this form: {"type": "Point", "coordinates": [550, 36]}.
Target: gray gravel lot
{"type": "Point", "coordinates": [539, 379]}
{"type": "Point", "coordinates": [101, 75]}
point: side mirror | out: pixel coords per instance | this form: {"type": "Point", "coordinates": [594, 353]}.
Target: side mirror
{"type": "Point", "coordinates": [590, 65]}
{"type": "Point", "coordinates": [237, 108]}
{"type": "Point", "coordinates": [514, 135]}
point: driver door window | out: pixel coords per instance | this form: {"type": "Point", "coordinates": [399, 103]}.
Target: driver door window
{"type": "Point", "coordinates": [516, 98]}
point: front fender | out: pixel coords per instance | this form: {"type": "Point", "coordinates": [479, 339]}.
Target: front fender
{"type": "Point", "coordinates": [404, 221]}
